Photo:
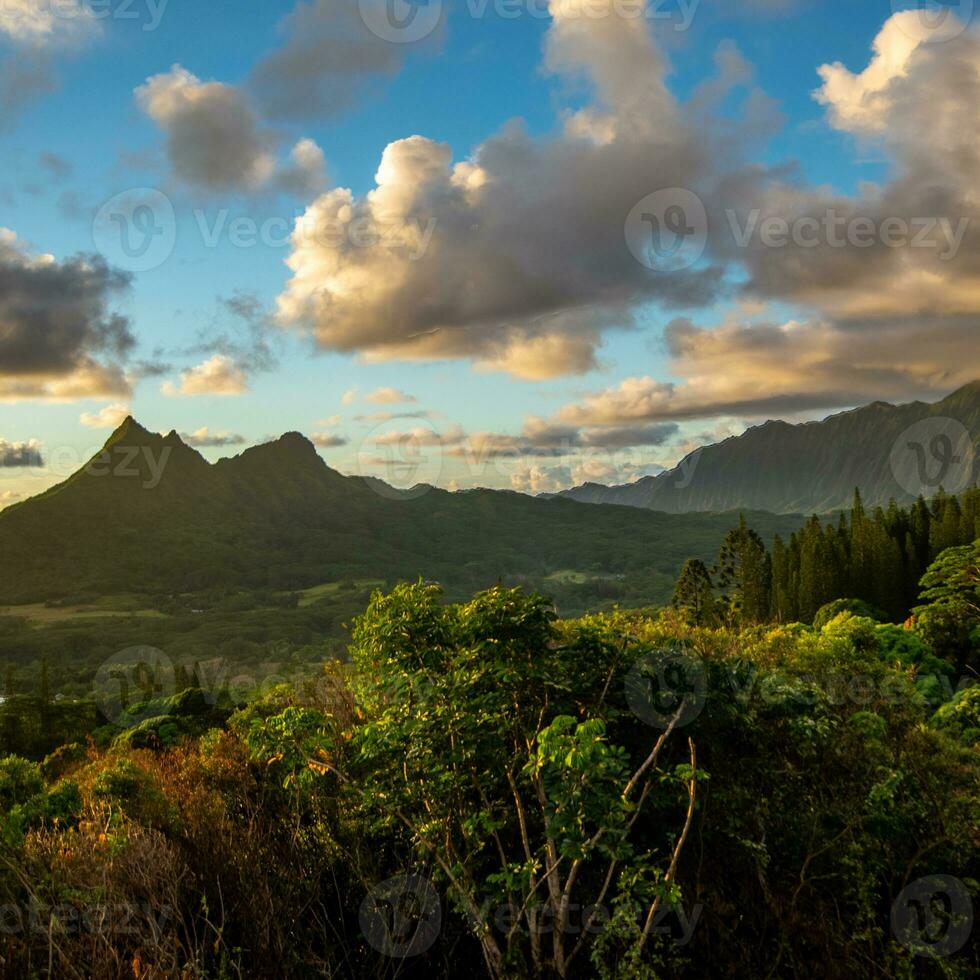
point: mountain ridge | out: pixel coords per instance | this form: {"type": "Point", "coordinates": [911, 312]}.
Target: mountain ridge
{"type": "Point", "coordinates": [810, 467]}
{"type": "Point", "coordinates": [150, 514]}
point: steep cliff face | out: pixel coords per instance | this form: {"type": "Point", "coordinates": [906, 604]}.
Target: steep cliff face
{"type": "Point", "coordinates": [888, 451]}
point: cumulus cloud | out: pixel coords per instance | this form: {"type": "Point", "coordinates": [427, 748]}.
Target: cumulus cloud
{"type": "Point", "coordinates": [878, 318]}
{"type": "Point", "coordinates": [306, 172]}
{"type": "Point", "coordinates": [516, 257]}
{"type": "Point", "coordinates": [388, 396]}
{"type": "Point", "coordinates": [109, 417]}
{"type": "Point", "coordinates": [759, 369]}
{"type": "Point", "coordinates": [35, 32]}
{"type": "Point", "coordinates": [8, 497]}
{"type": "Point", "coordinates": [219, 375]}
{"type": "Point", "coordinates": [910, 246]}
{"type": "Point", "coordinates": [328, 440]}
{"type": "Point", "coordinates": [215, 140]}
{"type": "Point", "coordinates": [204, 438]}
{"type": "Point", "coordinates": [327, 58]}
{"type": "Point", "coordinates": [20, 454]}
{"type": "Point", "coordinates": [58, 337]}
{"type": "Point", "coordinates": [43, 25]}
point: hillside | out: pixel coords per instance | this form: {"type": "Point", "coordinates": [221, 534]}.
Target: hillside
{"type": "Point", "coordinates": [151, 515]}
{"type": "Point", "coordinates": [808, 468]}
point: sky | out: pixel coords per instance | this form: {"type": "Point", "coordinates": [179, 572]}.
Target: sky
{"type": "Point", "coordinates": [504, 243]}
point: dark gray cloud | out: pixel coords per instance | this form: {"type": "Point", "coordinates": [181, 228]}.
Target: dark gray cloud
{"type": "Point", "coordinates": [20, 454]}
{"type": "Point", "coordinates": [327, 59]}
{"type": "Point", "coordinates": [328, 440]}
{"type": "Point", "coordinates": [58, 335]}
{"type": "Point", "coordinates": [25, 76]}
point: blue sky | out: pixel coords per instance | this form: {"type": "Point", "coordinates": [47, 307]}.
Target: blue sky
{"type": "Point", "coordinates": [89, 137]}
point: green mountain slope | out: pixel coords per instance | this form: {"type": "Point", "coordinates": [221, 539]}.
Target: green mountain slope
{"type": "Point", "coordinates": [813, 467]}
{"type": "Point", "coordinates": [149, 514]}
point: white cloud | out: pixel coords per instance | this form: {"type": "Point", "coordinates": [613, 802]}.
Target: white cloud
{"type": "Point", "coordinates": [109, 417]}
{"type": "Point", "coordinates": [389, 396]}
{"type": "Point", "coordinates": [219, 375]}
{"type": "Point", "coordinates": [204, 438]}
{"type": "Point", "coordinates": [47, 24]}
{"type": "Point", "coordinates": [514, 258]}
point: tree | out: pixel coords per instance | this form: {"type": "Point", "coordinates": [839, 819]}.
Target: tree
{"type": "Point", "coordinates": [45, 688]}
{"type": "Point", "coordinates": [949, 616]}
{"type": "Point", "coordinates": [744, 572]}
{"type": "Point", "coordinates": [504, 775]}
{"type": "Point", "coordinates": [695, 592]}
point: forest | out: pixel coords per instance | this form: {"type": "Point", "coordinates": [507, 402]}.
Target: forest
{"type": "Point", "coordinates": [779, 768]}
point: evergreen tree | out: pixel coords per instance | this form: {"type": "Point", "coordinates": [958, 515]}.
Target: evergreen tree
{"type": "Point", "coordinates": [744, 572]}
{"type": "Point", "coordinates": [695, 592]}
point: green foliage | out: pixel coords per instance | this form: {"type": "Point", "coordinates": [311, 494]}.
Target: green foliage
{"type": "Point", "coordinates": [20, 781]}
{"type": "Point", "coordinates": [950, 610]}
{"type": "Point", "coordinates": [503, 755]}
{"type": "Point", "coordinates": [961, 716]}
{"type": "Point", "coordinates": [856, 607]}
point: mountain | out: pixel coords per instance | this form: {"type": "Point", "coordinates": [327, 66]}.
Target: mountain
{"type": "Point", "coordinates": [815, 467]}
{"type": "Point", "coordinates": [148, 514]}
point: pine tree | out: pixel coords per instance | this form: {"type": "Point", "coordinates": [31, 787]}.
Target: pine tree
{"type": "Point", "coordinates": [744, 572]}
{"type": "Point", "coordinates": [695, 592]}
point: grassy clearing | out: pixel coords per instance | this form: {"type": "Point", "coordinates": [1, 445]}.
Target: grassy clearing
{"type": "Point", "coordinates": [329, 590]}
{"type": "Point", "coordinates": [44, 615]}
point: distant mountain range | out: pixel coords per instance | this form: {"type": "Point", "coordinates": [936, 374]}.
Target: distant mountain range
{"type": "Point", "coordinates": [150, 515]}
{"type": "Point", "coordinates": [888, 451]}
